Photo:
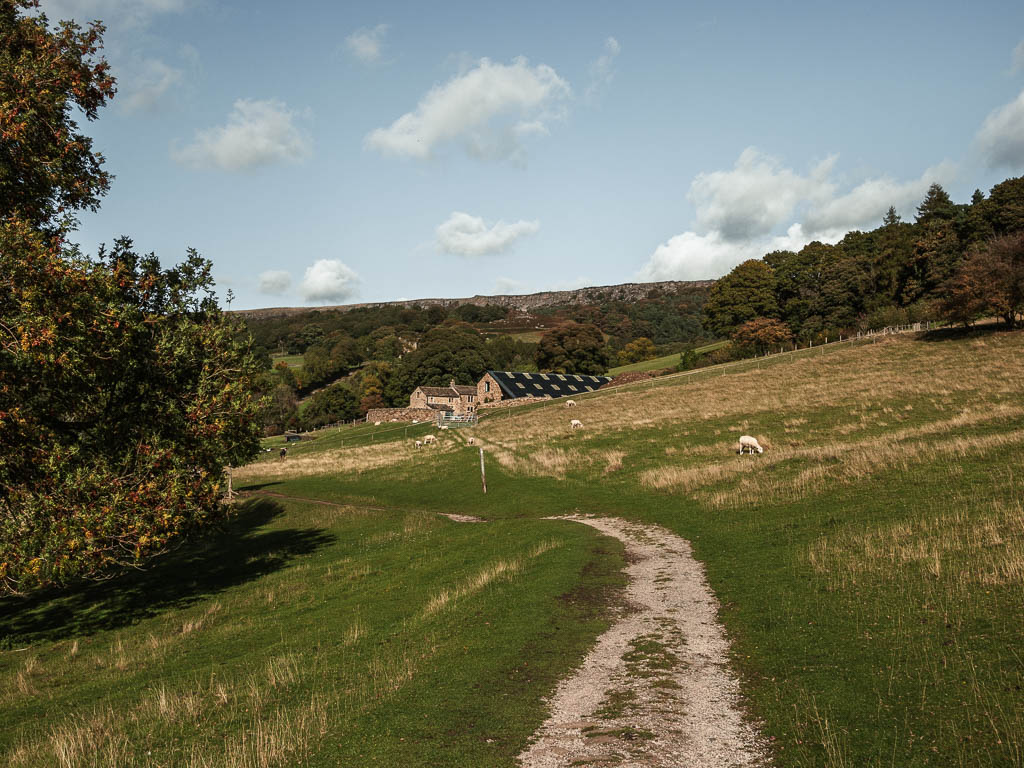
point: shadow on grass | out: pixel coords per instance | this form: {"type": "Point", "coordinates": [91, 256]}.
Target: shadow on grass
{"type": "Point", "coordinates": [198, 570]}
{"type": "Point", "coordinates": [960, 332]}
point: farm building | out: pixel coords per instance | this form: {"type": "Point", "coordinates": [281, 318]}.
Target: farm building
{"type": "Point", "coordinates": [508, 385]}
{"type": "Point", "coordinates": [459, 399]}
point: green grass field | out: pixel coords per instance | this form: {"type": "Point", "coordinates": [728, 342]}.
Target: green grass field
{"type": "Point", "coordinates": [870, 567]}
{"type": "Point", "coordinates": [292, 361]}
{"type": "Point", "coordinates": [668, 361]}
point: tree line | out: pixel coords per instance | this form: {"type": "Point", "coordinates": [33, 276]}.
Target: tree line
{"type": "Point", "coordinates": [954, 262]}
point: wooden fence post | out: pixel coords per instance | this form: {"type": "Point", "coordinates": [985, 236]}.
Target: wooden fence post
{"type": "Point", "coordinates": [483, 475]}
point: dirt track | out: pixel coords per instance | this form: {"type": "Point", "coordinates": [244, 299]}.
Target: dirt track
{"type": "Point", "coordinates": [656, 690]}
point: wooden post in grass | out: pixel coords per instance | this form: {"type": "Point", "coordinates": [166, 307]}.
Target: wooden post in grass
{"type": "Point", "coordinates": [483, 476]}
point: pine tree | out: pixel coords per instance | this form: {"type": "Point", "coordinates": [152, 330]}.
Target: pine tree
{"type": "Point", "coordinates": [936, 205]}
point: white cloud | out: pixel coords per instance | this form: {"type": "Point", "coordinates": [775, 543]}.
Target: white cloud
{"type": "Point", "coordinates": [1001, 136]}
{"type": "Point", "coordinates": [864, 206]}
{"type": "Point", "coordinates": [509, 285]}
{"type": "Point", "coordinates": [467, 235]}
{"type": "Point", "coordinates": [756, 196]}
{"type": "Point", "coordinates": [147, 84]}
{"type": "Point", "coordinates": [257, 133]}
{"type": "Point", "coordinates": [692, 256]}
{"type": "Point", "coordinates": [1017, 58]}
{"type": "Point", "coordinates": [127, 13]}
{"type": "Point", "coordinates": [365, 44]}
{"type": "Point", "coordinates": [602, 69]}
{"type": "Point", "coordinates": [329, 280]}
{"type": "Point", "coordinates": [275, 281]}
{"type": "Point", "coordinates": [740, 213]}
{"type": "Point", "coordinates": [475, 108]}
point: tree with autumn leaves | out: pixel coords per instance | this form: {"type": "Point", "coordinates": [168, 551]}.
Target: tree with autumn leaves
{"type": "Point", "coordinates": [123, 392]}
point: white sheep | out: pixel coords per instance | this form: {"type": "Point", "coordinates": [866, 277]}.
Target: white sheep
{"type": "Point", "coordinates": [751, 443]}
{"type": "Point", "coordinates": [419, 444]}
{"type": "Point", "coordinates": [444, 427]}
{"type": "Point", "coordinates": [570, 403]}
{"type": "Point", "coordinates": [414, 421]}
{"type": "Point", "coordinates": [576, 424]}
{"type": "Point", "coordinates": [376, 423]}
{"type": "Point", "coordinates": [429, 440]}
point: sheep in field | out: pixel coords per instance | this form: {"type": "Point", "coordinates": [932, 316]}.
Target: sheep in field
{"type": "Point", "coordinates": [376, 423]}
{"type": "Point", "coordinates": [429, 440]}
{"type": "Point", "coordinates": [570, 403]}
{"type": "Point", "coordinates": [471, 440]}
{"type": "Point", "coordinates": [576, 424]}
{"type": "Point", "coordinates": [444, 427]}
{"type": "Point", "coordinates": [419, 444]}
{"type": "Point", "coordinates": [751, 444]}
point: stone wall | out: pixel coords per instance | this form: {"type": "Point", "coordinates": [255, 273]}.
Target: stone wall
{"type": "Point", "coordinates": [513, 402]}
{"type": "Point", "coordinates": [401, 414]}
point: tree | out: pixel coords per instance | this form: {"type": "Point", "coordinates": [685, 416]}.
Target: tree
{"type": "Point", "coordinates": [637, 351]}
{"type": "Point", "coordinates": [1005, 206]}
{"type": "Point", "coordinates": [744, 294]}
{"type": "Point", "coordinates": [123, 394]}
{"type": "Point", "coordinates": [891, 217]}
{"type": "Point", "coordinates": [452, 351]}
{"type": "Point", "coordinates": [47, 167]}
{"type": "Point", "coordinates": [373, 394]}
{"type": "Point", "coordinates": [936, 205]}
{"type": "Point", "coordinates": [330, 405]}
{"type": "Point", "coordinates": [124, 390]}
{"type": "Point", "coordinates": [990, 280]}
{"type": "Point", "coordinates": [762, 334]}
{"type": "Point", "coordinates": [573, 348]}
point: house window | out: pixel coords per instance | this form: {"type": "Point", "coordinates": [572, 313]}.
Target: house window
{"type": "Point", "coordinates": [526, 375]}
{"type": "Point", "coordinates": [572, 388]}
{"type": "Point", "coordinates": [520, 385]}
{"type": "Point", "coordinates": [577, 378]}
{"type": "Point", "coordinates": [487, 386]}
{"type": "Point", "coordinates": [544, 376]}
{"type": "Point", "coordinates": [554, 387]}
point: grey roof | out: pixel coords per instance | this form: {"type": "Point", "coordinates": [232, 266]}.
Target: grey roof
{"type": "Point", "coordinates": [514, 384]}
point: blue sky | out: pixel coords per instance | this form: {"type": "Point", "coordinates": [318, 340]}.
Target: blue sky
{"type": "Point", "coordinates": [323, 153]}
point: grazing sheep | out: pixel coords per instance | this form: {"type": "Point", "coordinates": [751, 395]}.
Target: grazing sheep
{"type": "Point", "coordinates": [751, 443]}
{"type": "Point", "coordinates": [444, 427]}
{"type": "Point", "coordinates": [570, 403]}
{"type": "Point", "coordinates": [576, 424]}
{"type": "Point", "coordinates": [471, 441]}
{"type": "Point", "coordinates": [414, 421]}
{"type": "Point", "coordinates": [376, 423]}
{"type": "Point", "coordinates": [429, 440]}
{"type": "Point", "coordinates": [419, 444]}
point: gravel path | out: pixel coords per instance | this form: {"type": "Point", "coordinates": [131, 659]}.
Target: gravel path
{"type": "Point", "coordinates": [656, 690]}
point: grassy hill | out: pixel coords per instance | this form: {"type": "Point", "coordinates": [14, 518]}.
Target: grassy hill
{"type": "Point", "coordinates": [660, 363]}
{"type": "Point", "coordinates": [870, 567]}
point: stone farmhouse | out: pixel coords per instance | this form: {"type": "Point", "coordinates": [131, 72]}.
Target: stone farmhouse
{"type": "Point", "coordinates": [461, 401]}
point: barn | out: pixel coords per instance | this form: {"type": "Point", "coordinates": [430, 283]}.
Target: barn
{"type": "Point", "coordinates": [510, 385]}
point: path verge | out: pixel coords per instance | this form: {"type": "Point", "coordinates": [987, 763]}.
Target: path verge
{"type": "Point", "coordinates": [656, 690]}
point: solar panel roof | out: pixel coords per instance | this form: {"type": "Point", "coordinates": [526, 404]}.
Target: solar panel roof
{"type": "Point", "coordinates": [515, 384]}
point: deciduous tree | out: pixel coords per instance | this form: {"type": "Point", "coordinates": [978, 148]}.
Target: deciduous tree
{"type": "Point", "coordinates": [573, 348]}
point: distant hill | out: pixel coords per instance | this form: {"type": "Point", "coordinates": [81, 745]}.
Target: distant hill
{"type": "Point", "coordinates": [627, 292]}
